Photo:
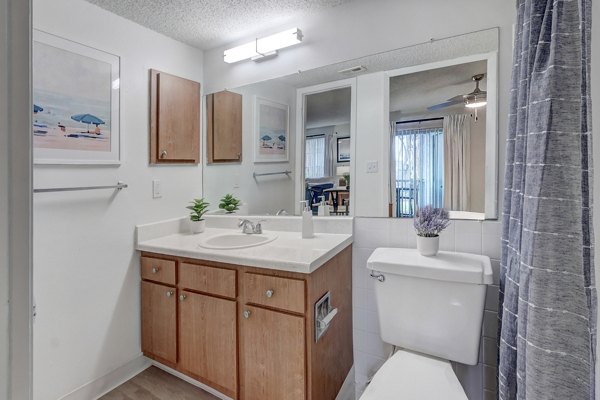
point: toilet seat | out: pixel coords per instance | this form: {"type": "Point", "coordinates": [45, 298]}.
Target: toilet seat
{"type": "Point", "coordinates": [408, 376]}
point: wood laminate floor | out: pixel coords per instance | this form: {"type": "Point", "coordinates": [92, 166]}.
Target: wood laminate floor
{"type": "Point", "coordinates": [155, 384]}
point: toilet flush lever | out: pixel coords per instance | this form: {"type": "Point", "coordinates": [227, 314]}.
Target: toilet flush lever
{"type": "Point", "coordinates": [376, 275]}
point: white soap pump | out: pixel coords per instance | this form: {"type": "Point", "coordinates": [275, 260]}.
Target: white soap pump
{"type": "Point", "coordinates": [323, 208]}
{"type": "Point", "coordinates": [307, 221]}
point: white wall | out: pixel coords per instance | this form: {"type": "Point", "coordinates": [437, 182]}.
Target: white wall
{"type": "Point", "coordinates": [264, 195]}
{"type": "Point", "coordinates": [86, 272]}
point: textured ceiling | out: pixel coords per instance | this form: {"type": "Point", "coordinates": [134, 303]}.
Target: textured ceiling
{"type": "Point", "coordinates": [210, 23]}
{"type": "Point", "coordinates": [413, 93]}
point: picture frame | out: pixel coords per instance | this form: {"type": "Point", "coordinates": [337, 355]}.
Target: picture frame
{"type": "Point", "coordinates": [76, 103]}
{"type": "Point", "coordinates": [343, 150]}
{"type": "Point", "coordinates": [271, 131]}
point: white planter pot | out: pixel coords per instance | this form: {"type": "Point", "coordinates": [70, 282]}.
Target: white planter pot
{"type": "Point", "coordinates": [197, 226]}
{"type": "Point", "coordinates": [428, 246]}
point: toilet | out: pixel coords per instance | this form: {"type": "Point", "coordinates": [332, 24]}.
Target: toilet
{"type": "Point", "coordinates": [431, 309]}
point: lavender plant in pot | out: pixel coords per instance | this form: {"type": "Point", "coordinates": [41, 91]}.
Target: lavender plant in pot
{"type": "Point", "coordinates": [429, 222]}
{"type": "Point", "coordinates": [197, 210]}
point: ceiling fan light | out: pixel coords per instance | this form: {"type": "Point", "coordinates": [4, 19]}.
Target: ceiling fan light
{"type": "Point", "coordinates": [476, 104]}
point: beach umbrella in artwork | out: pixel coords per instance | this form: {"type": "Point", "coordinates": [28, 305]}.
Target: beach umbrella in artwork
{"type": "Point", "coordinates": [266, 138]}
{"type": "Point", "coordinates": [87, 119]}
{"type": "Point", "coordinates": [37, 109]}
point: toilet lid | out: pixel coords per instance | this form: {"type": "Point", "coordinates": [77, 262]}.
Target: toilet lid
{"type": "Point", "coordinates": [407, 376]}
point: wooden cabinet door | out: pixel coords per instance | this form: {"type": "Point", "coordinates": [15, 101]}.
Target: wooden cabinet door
{"type": "Point", "coordinates": [175, 119]}
{"type": "Point", "coordinates": [224, 127]}
{"type": "Point", "coordinates": [159, 326]}
{"type": "Point", "coordinates": [208, 340]}
{"type": "Point", "coordinates": [273, 355]}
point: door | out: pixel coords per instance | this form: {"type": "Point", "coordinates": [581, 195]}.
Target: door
{"type": "Point", "coordinates": [178, 115]}
{"type": "Point", "coordinates": [207, 340]}
{"type": "Point", "coordinates": [273, 353]}
{"type": "Point", "coordinates": [159, 326]}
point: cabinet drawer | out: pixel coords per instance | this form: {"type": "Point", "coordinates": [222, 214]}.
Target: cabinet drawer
{"type": "Point", "coordinates": [155, 269]}
{"type": "Point", "coordinates": [272, 291]}
{"type": "Point", "coordinates": [217, 281]}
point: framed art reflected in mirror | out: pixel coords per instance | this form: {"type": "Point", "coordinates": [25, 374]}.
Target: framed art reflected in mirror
{"type": "Point", "coordinates": [343, 149]}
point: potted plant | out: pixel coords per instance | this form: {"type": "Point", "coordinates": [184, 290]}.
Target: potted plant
{"type": "Point", "coordinates": [197, 209]}
{"type": "Point", "coordinates": [347, 179]}
{"type": "Point", "coordinates": [229, 204]}
{"type": "Point", "coordinates": [429, 222]}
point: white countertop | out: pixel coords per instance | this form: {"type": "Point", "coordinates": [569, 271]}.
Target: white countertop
{"type": "Point", "coordinates": [289, 252]}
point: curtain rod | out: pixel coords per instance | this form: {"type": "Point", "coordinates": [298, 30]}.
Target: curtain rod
{"type": "Point", "coordinates": [419, 120]}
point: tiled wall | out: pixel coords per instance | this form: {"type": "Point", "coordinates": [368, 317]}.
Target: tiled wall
{"type": "Point", "coordinates": [370, 352]}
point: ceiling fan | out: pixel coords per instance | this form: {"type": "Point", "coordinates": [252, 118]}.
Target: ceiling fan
{"type": "Point", "coordinates": [477, 98]}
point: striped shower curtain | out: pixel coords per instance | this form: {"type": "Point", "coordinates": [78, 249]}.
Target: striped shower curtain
{"type": "Point", "coordinates": [548, 295]}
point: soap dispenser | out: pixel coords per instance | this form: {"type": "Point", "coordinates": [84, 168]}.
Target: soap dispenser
{"type": "Point", "coordinates": [307, 221]}
{"type": "Point", "coordinates": [323, 208]}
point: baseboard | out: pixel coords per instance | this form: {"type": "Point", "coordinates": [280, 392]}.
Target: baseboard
{"type": "Point", "coordinates": [104, 384]}
{"type": "Point", "coordinates": [347, 390]}
{"type": "Point", "coordinates": [190, 380]}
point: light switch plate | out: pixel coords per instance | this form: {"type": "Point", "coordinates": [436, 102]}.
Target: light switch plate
{"type": "Point", "coordinates": [156, 189]}
{"type": "Point", "coordinates": [372, 167]}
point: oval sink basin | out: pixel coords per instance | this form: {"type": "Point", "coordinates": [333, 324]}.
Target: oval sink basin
{"type": "Point", "coordinates": [228, 241]}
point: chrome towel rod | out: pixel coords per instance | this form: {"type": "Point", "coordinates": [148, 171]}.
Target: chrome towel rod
{"type": "Point", "coordinates": [272, 173]}
{"type": "Point", "coordinates": [120, 185]}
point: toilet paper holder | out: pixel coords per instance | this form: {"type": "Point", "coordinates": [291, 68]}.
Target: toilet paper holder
{"type": "Point", "coordinates": [324, 315]}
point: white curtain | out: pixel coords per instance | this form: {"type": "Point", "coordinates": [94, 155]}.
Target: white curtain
{"type": "Point", "coordinates": [457, 162]}
{"type": "Point", "coordinates": [315, 156]}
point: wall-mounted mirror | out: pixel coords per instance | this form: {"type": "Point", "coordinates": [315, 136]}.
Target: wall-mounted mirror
{"type": "Point", "coordinates": [375, 136]}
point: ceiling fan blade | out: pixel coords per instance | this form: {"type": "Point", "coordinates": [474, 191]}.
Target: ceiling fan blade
{"type": "Point", "coordinates": [446, 104]}
{"type": "Point", "coordinates": [457, 97]}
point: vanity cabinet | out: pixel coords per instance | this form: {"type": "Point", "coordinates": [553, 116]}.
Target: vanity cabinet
{"type": "Point", "coordinates": [272, 349]}
{"type": "Point", "coordinates": [174, 119]}
{"type": "Point", "coordinates": [159, 324]}
{"type": "Point", "coordinates": [249, 332]}
{"type": "Point", "coordinates": [224, 127]}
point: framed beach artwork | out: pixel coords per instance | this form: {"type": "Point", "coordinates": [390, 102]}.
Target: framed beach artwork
{"type": "Point", "coordinates": [343, 149]}
{"type": "Point", "coordinates": [271, 131]}
{"type": "Point", "coordinates": [75, 103]}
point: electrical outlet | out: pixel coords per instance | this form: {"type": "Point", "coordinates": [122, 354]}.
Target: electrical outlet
{"type": "Point", "coordinates": [372, 167]}
{"type": "Point", "coordinates": [156, 189]}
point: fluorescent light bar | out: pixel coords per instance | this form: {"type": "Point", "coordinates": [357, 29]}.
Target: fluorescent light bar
{"type": "Point", "coordinates": [260, 48]}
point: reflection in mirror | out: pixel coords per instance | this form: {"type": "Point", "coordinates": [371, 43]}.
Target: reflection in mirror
{"type": "Point", "coordinates": [427, 82]}
{"type": "Point", "coordinates": [438, 119]}
{"type": "Point", "coordinates": [327, 151]}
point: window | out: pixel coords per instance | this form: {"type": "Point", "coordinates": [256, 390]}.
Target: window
{"type": "Point", "coordinates": [315, 157]}
{"type": "Point", "coordinates": [419, 169]}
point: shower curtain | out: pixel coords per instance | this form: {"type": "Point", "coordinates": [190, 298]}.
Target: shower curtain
{"type": "Point", "coordinates": [457, 162]}
{"type": "Point", "coordinates": [548, 295]}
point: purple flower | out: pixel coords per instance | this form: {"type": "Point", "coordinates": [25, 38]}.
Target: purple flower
{"type": "Point", "coordinates": [430, 221]}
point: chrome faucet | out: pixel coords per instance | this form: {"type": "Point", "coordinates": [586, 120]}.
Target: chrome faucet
{"type": "Point", "coordinates": [249, 227]}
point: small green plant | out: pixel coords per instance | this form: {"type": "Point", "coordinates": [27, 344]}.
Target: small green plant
{"type": "Point", "coordinates": [229, 203]}
{"type": "Point", "coordinates": [347, 179]}
{"type": "Point", "coordinates": [198, 208]}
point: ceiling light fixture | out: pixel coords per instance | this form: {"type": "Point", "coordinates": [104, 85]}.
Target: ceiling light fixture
{"type": "Point", "coordinates": [261, 49]}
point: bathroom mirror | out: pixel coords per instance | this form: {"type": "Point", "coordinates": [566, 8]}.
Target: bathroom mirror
{"type": "Point", "coordinates": [356, 135]}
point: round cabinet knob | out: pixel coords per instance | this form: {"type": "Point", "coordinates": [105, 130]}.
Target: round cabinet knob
{"type": "Point", "coordinates": [246, 314]}
{"type": "Point", "coordinates": [182, 297]}
{"type": "Point", "coordinates": [163, 154]}
{"type": "Point", "coordinates": [269, 293]}
{"type": "Point", "coordinates": [155, 270]}
{"type": "Point", "coordinates": [170, 293]}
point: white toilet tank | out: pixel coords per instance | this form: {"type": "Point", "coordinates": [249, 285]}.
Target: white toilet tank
{"type": "Point", "coordinates": [431, 305]}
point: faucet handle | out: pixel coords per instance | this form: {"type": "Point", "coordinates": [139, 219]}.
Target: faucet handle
{"type": "Point", "coordinates": [258, 226]}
